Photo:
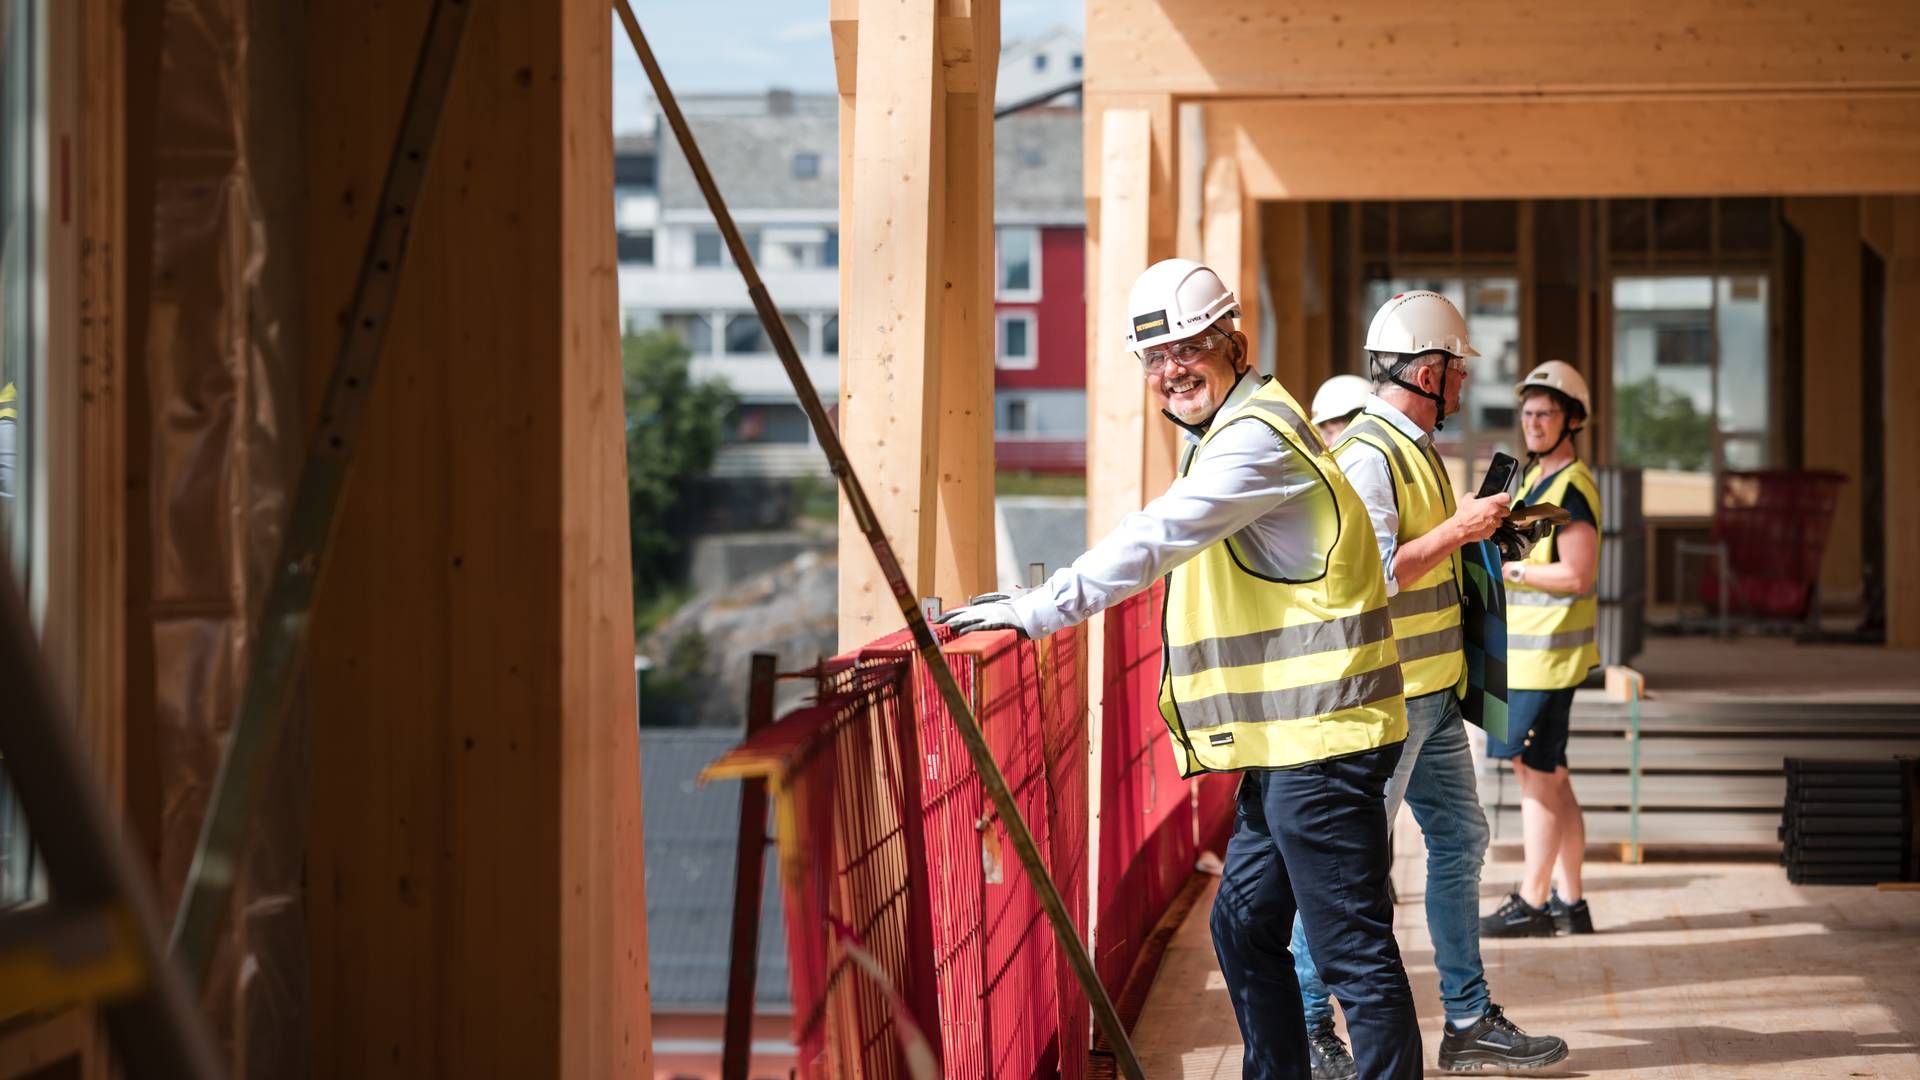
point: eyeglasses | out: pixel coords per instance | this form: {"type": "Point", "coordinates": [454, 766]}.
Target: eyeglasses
{"type": "Point", "coordinates": [1185, 353]}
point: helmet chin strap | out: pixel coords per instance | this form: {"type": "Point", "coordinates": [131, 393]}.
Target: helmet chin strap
{"type": "Point", "coordinates": [1439, 400]}
{"type": "Point", "coordinates": [1566, 432]}
{"type": "Point", "coordinates": [1200, 428]}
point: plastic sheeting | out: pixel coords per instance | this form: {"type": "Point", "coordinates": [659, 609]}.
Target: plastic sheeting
{"type": "Point", "coordinates": [224, 377]}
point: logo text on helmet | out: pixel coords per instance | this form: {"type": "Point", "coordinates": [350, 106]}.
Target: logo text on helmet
{"type": "Point", "coordinates": [1152, 324]}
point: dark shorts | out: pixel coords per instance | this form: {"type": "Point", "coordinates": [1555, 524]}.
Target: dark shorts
{"type": "Point", "coordinates": [1543, 716]}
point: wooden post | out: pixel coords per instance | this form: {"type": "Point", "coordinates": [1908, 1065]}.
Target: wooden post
{"type": "Point", "coordinates": [964, 547]}
{"type": "Point", "coordinates": [1830, 384]}
{"type": "Point", "coordinates": [749, 871]}
{"type": "Point", "coordinates": [1118, 413]}
{"type": "Point", "coordinates": [1902, 381]}
{"type": "Point", "coordinates": [478, 901]}
{"type": "Point", "coordinates": [916, 226]}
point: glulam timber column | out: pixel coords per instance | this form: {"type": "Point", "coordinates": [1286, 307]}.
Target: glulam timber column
{"type": "Point", "coordinates": [1895, 224]}
{"type": "Point", "coordinates": [1830, 387]}
{"type": "Point", "coordinates": [475, 862]}
{"type": "Point", "coordinates": [916, 85]}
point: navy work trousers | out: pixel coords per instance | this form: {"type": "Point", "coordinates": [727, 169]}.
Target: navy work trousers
{"type": "Point", "coordinates": [1313, 839]}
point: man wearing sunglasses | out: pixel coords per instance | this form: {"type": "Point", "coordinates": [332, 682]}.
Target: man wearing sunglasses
{"type": "Point", "coordinates": [1417, 345]}
{"type": "Point", "coordinates": [1279, 664]}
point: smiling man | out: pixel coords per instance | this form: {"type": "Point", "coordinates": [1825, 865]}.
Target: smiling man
{"type": "Point", "coordinates": [1279, 664]}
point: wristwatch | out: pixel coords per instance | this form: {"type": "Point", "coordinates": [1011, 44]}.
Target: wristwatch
{"type": "Point", "coordinates": [1517, 573]}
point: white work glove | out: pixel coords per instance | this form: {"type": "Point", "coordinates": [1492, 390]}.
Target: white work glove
{"type": "Point", "coordinates": [988, 611]}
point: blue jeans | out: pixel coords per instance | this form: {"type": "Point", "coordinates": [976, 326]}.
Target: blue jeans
{"type": "Point", "coordinates": [1435, 776]}
{"type": "Point", "coordinates": [1320, 826]}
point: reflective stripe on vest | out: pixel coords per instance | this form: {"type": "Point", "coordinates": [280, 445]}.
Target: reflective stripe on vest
{"type": "Point", "coordinates": [1426, 613]}
{"type": "Point", "coordinates": [1270, 674]}
{"type": "Point", "coordinates": [1550, 636]}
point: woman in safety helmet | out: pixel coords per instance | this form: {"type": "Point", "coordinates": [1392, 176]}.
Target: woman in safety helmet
{"type": "Point", "coordinates": [1551, 614]}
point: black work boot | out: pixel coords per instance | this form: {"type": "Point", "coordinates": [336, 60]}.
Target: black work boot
{"type": "Point", "coordinates": [1571, 918]}
{"type": "Point", "coordinates": [1330, 1058]}
{"type": "Point", "coordinates": [1517, 918]}
{"type": "Point", "coordinates": [1494, 1043]}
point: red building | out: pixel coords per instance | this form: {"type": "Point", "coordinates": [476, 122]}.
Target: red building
{"type": "Point", "coordinates": [1040, 395]}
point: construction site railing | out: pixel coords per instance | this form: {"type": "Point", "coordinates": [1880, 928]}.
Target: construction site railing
{"type": "Point", "coordinates": [884, 832]}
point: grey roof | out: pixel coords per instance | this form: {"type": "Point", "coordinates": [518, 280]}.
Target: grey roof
{"type": "Point", "coordinates": [752, 160]}
{"type": "Point", "coordinates": [1036, 168]}
{"type": "Point", "coordinates": [1036, 165]}
{"type": "Point", "coordinates": [633, 142]}
{"type": "Point", "coordinates": [690, 834]}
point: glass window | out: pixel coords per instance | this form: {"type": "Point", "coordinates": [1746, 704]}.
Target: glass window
{"type": "Point", "coordinates": [23, 286]}
{"type": "Point", "coordinates": [830, 251]}
{"type": "Point", "coordinates": [830, 336]}
{"type": "Point", "coordinates": [1016, 417]}
{"type": "Point", "coordinates": [1690, 375]}
{"type": "Point", "coordinates": [1039, 61]}
{"type": "Point", "coordinates": [746, 337]}
{"type": "Point", "coordinates": [1019, 263]}
{"type": "Point", "coordinates": [1078, 61]}
{"type": "Point", "coordinates": [635, 248]}
{"type": "Point", "coordinates": [695, 330]}
{"type": "Point", "coordinates": [1017, 348]}
{"type": "Point", "coordinates": [707, 247]}
{"type": "Point", "coordinates": [806, 165]}
{"type": "Point", "coordinates": [769, 423]}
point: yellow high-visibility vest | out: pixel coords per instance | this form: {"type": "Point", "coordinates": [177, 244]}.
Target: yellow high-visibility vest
{"type": "Point", "coordinates": [1550, 636]}
{"type": "Point", "coordinates": [1265, 673]}
{"type": "Point", "coordinates": [8, 395]}
{"type": "Point", "coordinates": [1426, 613]}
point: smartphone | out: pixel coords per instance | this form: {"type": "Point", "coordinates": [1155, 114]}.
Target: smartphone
{"type": "Point", "coordinates": [1499, 475]}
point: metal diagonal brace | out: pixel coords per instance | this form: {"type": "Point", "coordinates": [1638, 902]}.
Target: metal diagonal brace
{"type": "Point", "coordinates": [279, 649]}
{"type": "Point", "coordinates": [991, 777]}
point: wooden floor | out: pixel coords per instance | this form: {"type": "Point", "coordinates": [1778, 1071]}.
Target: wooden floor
{"type": "Point", "coordinates": [1681, 669]}
{"type": "Point", "coordinates": [1698, 969]}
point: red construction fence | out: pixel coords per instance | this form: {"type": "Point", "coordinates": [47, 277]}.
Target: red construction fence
{"type": "Point", "coordinates": [883, 828]}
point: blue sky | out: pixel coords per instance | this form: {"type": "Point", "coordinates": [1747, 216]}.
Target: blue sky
{"type": "Point", "coordinates": [748, 45]}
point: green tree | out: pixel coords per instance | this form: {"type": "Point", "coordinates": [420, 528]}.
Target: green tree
{"type": "Point", "coordinates": [1658, 427]}
{"type": "Point", "coordinates": [674, 427]}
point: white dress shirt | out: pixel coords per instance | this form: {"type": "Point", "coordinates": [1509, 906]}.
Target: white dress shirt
{"type": "Point", "coordinates": [1248, 483]}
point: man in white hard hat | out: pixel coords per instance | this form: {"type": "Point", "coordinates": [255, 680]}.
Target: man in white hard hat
{"type": "Point", "coordinates": [1279, 664]}
{"type": "Point", "coordinates": [1417, 346]}
{"type": "Point", "coordinates": [1551, 616]}
{"type": "Point", "coordinates": [1337, 402]}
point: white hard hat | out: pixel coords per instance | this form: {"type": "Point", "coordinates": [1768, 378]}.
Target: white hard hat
{"type": "Point", "coordinates": [1416, 322]}
{"type": "Point", "coordinates": [1340, 396]}
{"type": "Point", "coordinates": [1175, 299]}
{"type": "Point", "coordinates": [1560, 376]}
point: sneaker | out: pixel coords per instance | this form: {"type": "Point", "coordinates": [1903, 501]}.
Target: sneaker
{"type": "Point", "coordinates": [1493, 1042]}
{"type": "Point", "coordinates": [1330, 1058]}
{"type": "Point", "coordinates": [1517, 918]}
{"type": "Point", "coordinates": [1571, 918]}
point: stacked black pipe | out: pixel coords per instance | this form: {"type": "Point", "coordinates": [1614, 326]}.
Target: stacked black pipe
{"type": "Point", "coordinates": [1849, 822]}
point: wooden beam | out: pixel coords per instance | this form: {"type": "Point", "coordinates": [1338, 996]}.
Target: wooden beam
{"type": "Point", "coordinates": [892, 237]}
{"type": "Point", "coordinates": [477, 901]}
{"type": "Point", "coordinates": [1901, 466]}
{"type": "Point", "coordinates": [1420, 50]}
{"type": "Point", "coordinates": [1830, 384]}
{"type": "Point", "coordinates": [1503, 148]}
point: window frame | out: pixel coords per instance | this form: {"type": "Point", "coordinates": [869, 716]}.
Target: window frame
{"type": "Point", "coordinates": [1032, 291]}
{"type": "Point", "coordinates": [1029, 362]}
